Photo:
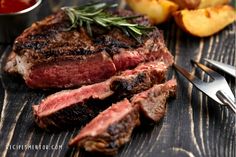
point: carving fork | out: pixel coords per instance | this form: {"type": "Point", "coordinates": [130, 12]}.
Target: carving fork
{"type": "Point", "coordinates": [218, 89]}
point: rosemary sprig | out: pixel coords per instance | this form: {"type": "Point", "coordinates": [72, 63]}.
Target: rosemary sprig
{"type": "Point", "coordinates": [96, 14]}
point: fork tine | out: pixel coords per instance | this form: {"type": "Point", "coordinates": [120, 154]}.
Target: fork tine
{"type": "Point", "coordinates": [225, 67]}
{"type": "Point", "coordinates": [202, 86]}
{"type": "Point", "coordinates": [189, 76]}
{"type": "Point", "coordinates": [209, 71]}
{"type": "Point", "coordinates": [211, 88]}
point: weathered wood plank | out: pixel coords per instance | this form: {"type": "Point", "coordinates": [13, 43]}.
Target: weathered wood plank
{"type": "Point", "coordinates": [194, 125]}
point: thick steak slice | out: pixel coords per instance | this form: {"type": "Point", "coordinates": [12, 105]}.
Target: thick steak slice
{"type": "Point", "coordinates": [139, 79]}
{"type": "Point", "coordinates": [93, 68]}
{"type": "Point", "coordinates": [113, 127]}
{"type": "Point", "coordinates": [74, 107]}
{"type": "Point", "coordinates": [47, 56]}
{"type": "Point", "coordinates": [152, 103]}
{"type": "Point", "coordinates": [109, 130]}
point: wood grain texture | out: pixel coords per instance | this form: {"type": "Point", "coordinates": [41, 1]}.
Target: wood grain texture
{"type": "Point", "coordinates": [194, 125]}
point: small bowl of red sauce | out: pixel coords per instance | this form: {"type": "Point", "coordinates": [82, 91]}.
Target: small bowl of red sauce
{"type": "Point", "coordinates": [15, 16]}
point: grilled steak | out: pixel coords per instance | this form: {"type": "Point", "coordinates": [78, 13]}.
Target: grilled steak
{"type": "Point", "coordinates": [113, 127]}
{"type": "Point", "coordinates": [75, 107]}
{"type": "Point", "coordinates": [152, 103]}
{"type": "Point", "coordinates": [48, 56]}
{"type": "Point", "coordinates": [139, 79]}
{"type": "Point", "coordinates": [109, 130]}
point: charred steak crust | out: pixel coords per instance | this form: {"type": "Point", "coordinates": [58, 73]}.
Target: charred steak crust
{"type": "Point", "coordinates": [152, 102]}
{"type": "Point", "coordinates": [143, 80]}
{"type": "Point", "coordinates": [78, 106]}
{"type": "Point", "coordinates": [93, 68]}
{"type": "Point", "coordinates": [47, 56]}
{"type": "Point", "coordinates": [73, 116]}
{"type": "Point", "coordinates": [116, 134]}
{"type": "Point", "coordinates": [72, 107]}
{"type": "Point", "coordinates": [113, 127]}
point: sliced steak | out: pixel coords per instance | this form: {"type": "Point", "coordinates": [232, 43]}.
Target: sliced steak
{"type": "Point", "coordinates": [152, 103]}
{"type": "Point", "coordinates": [93, 68]}
{"type": "Point", "coordinates": [109, 130]}
{"type": "Point", "coordinates": [139, 79]}
{"type": "Point", "coordinates": [72, 107]}
{"type": "Point", "coordinates": [47, 56]}
{"type": "Point", "coordinates": [113, 127]}
{"type": "Point", "coordinates": [75, 107]}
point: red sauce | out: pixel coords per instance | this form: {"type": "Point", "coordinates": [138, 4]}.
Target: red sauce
{"type": "Point", "coordinates": [12, 6]}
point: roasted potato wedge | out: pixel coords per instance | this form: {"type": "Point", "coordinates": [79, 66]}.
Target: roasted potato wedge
{"type": "Point", "coordinates": [197, 4]}
{"type": "Point", "coordinates": [188, 4]}
{"type": "Point", "coordinates": [210, 3]}
{"type": "Point", "coordinates": [205, 22]}
{"type": "Point", "coordinates": [158, 11]}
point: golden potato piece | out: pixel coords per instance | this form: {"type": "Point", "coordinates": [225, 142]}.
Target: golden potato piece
{"type": "Point", "coordinates": [158, 11]}
{"type": "Point", "coordinates": [210, 3]}
{"type": "Point", "coordinates": [189, 4]}
{"type": "Point", "coordinates": [196, 4]}
{"type": "Point", "coordinates": [205, 22]}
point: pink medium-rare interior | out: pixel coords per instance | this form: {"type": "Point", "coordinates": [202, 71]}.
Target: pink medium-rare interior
{"type": "Point", "coordinates": [100, 123]}
{"type": "Point", "coordinates": [145, 66]}
{"type": "Point", "coordinates": [100, 90]}
{"type": "Point", "coordinates": [127, 59]}
{"type": "Point", "coordinates": [66, 98]}
{"type": "Point", "coordinates": [69, 73]}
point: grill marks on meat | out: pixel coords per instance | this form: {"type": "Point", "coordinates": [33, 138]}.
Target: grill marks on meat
{"type": "Point", "coordinates": [47, 56]}
{"type": "Point", "coordinates": [152, 49]}
{"type": "Point", "coordinates": [109, 130]}
{"type": "Point", "coordinates": [113, 127]}
{"type": "Point", "coordinates": [75, 107]}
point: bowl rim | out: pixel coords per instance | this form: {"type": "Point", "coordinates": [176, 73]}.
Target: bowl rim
{"type": "Point", "coordinates": [38, 2]}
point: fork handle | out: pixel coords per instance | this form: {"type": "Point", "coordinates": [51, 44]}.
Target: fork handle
{"type": "Point", "coordinates": [226, 100]}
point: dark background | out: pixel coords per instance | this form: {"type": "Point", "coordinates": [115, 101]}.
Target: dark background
{"type": "Point", "coordinates": [194, 125]}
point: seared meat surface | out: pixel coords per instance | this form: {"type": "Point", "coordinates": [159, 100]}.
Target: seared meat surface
{"type": "Point", "coordinates": [109, 130]}
{"type": "Point", "coordinates": [75, 107]}
{"type": "Point", "coordinates": [108, 68]}
{"type": "Point", "coordinates": [113, 127]}
{"type": "Point", "coordinates": [152, 103]}
{"type": "Point", "coordinates": [48, 55]}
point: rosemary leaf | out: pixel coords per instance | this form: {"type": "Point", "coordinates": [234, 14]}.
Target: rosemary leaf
{"type": "Point", "coordinates": [96, 14]}
{"type": "Point", "coordinates": [135, 30]}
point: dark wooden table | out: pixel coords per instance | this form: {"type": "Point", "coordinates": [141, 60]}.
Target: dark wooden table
{"type": "Point", "coordinates": [194, 125]}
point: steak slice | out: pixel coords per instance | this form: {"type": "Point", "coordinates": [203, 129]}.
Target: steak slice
{"type": "Point", "coordinates": [75, 107]}
{"type": "Point", "coordinates": [47, 56]}
{"type": "Point", "coordinates": [113, 127]}
{"type": "Point", "coordinates": [72, 107]}
{"type": "Point", "coordinates": [152, 103]}
{"type": "Point", "coordinates": [109, 130]}
{"type": "Point", "coordinates": [139, 79]}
